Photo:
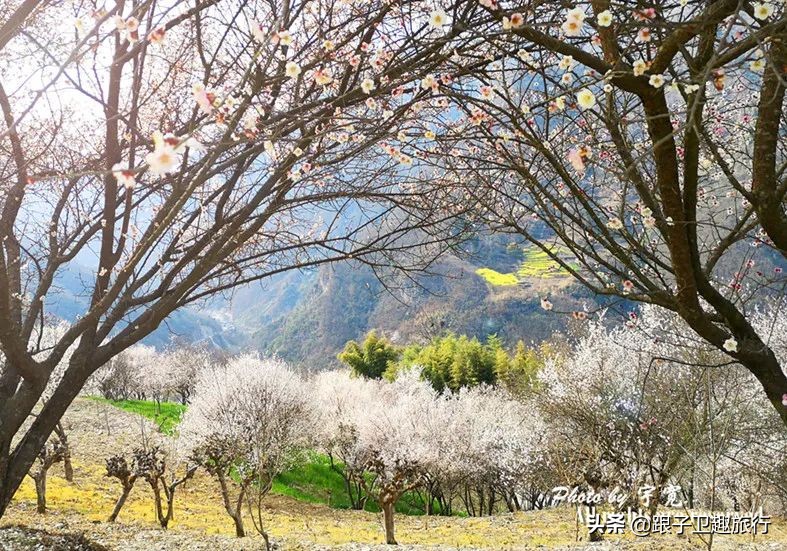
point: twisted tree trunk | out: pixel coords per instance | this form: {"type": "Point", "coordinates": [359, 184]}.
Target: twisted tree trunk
{"type": "Point", "coordinates": [235, 512]}
{"type": "Point", "coordinates": [68, 468]}
{"type": "Point", "coordinates": [16, 461]}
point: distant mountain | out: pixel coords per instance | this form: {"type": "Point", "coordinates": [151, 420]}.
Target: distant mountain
{"type": "Point", "coordinates": [307, 316]}
{"type": "Point", "coordinates": [495, 288]}
{"type": "Point", "coordinates": [210, 323]}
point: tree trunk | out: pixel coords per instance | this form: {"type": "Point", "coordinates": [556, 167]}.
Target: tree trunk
{"type": "Point", "coordinates": [354, 488]}
{"type": "Point", "coordinates": [162, 520]}
{"type": "Point", "coordinates": [445, 505]}
{"type": "Point", "coordinates": [239, 531]}
{"type": "Point", "coordinates": [40, 480]}
{"type": "Point", "coordinates": [68, 469]}
{"type": "Point", "coordinates": [509, 501]}
{"type": "Point", "coordinates": [653, 505]}
{"type": "Point", "coordinates": [691, 487]}
{"type": "Point", "coordinates": [355, 503]}
{"type": "Point", "coordinates": [388, 517]}
{"type": "Point", "coordinates": [170, 508]}
{"type": "Point", "coordinates": [119, 504]}
{"type": "Point", "coordinates": [235, 513]}
{"type": "Point", "coordinates": [15, 463]}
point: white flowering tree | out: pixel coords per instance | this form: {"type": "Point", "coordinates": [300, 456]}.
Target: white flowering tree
{"type": "Point", "coordinates": [396, 437]}
{"type": "Point", "coordinates": [246, 423]}
{"type": "Point", "coordinates": [148, 381]}
{"type": "Point", "coordinates": [124, 376]}
{"type": "Point", "coordinates": [180, 366]}
{"type": "Point", "coordinates": [395, 433]}
{"type": "Point", "coordinates": [495, 444]}
{"type": "Point", "coordinates": [160, 153]}
{"type": "Point", "coordinates": [168, 375]}
{"type": "Point", "coordinates": [640, 146]}
{"type": "Point", "coordinates": [382, 433]}
{"type": "Point", "coordinates": [652, 405]}
{"type": "Point", "coordinates": [338, 398]}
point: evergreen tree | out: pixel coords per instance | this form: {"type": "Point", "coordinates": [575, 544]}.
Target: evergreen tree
{"type": "Point", "coordinates": [371, 358]}
{"type": "Point", "coordinates": [436, 360]}
{"type": "Point", "coordinates": [452, 363]}
{"type": "Point", "coordinates": [502, 366]}
{"type": "Point", "coordinates": [522, 375]}
{"type": "Point", "coordinates": [461, 373]}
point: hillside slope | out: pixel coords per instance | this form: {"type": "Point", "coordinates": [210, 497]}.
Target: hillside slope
{"type": "Point", "coordinates": [80, 509]}
{"type": "Point", "coordinates": [307, 316]}
{"type": "Point", "coordinates": [326, 308]}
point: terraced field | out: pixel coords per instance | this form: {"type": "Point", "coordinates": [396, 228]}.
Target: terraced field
{"type": "Point", "coordinates": [536, 264]}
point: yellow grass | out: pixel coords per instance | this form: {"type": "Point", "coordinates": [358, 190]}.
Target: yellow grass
{"type": "Point", "coordinates": [198, 509]}
{"type": "Point", "coordinates": [85, 504]}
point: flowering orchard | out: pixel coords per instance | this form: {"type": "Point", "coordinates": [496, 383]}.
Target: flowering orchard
{"type": "Point", "coordinates": [598, 418]}
{"type": "Point", "coordinates": [141, 372]}
{"type": "Point", "coordinates": [640, 146]}
{"type": "Point", "coordinates": [245, 425]}
{"type": "Point", "coordinates": [677, 414]}
{"type": "Point", "coordinates": [399, 436]}
{"type": "Point", "coordinates": [164, 153]}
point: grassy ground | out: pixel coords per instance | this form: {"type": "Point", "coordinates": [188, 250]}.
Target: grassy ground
{"type": "Point", "coordinates": [166, 415]}
{"type": "Point", "coordinates": [82, 508]}
{"type": "Point", "coordinates": [99, 429]}
{"type": "Point", "coordinates": [86, 504]}
{"type": "Point", "coordinates": [314, 481]}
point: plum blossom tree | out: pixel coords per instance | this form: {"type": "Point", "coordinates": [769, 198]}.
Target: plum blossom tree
{"type": "Point", "coordinates": [53, 452]}
{"type": "Point", "coordinates": [246, 423]}
{"type": "Point", "coordinates": [614, 424]}
{"type": "Point", "coordinates": [337, 396]}
{"type": "Point", "coordinates": [164, 464]}
{"type": "Point", "coordinates": [394, 425]}
{"type": "Point", "coordinates": [118, 379]}
{"type": "Point", "coordinates": [180, 366]}
{"type": "Point", "coordinates": [165, 469]}
{"type": "Point", "coordinates": [398, 436]}
{"type": "Point", "coordinates": [381, 432]}
{"type": "Point", "coordinates": [147, 380]}
{"type": "Point", "coordinates": [506, 439]}
{"type": "Point", "coordinates": [124, 471]}
{"type": "Point", "coordinates": [161, 153]}
{"type": "Point", "coordinates": [640, 146]}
